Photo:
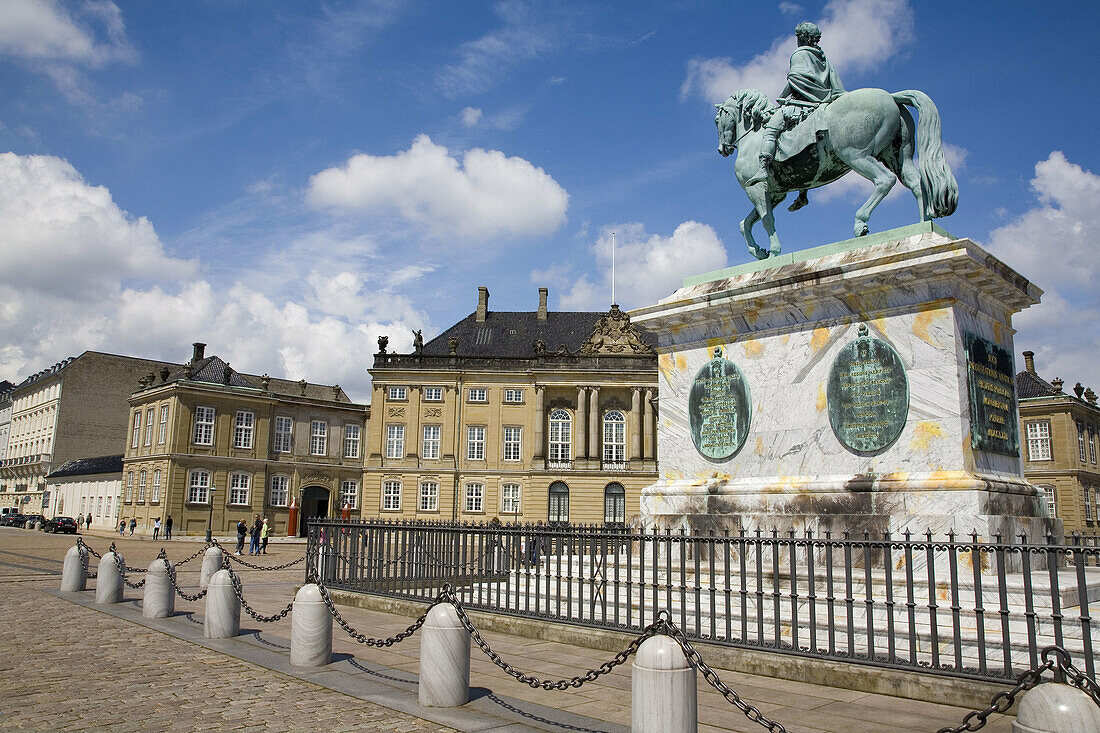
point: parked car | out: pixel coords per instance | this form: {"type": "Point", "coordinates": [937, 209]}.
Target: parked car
{"type": "Point", "coordinates": [13, 519]}
{"type": "Point", "coordinates": [60, 524]}
{"type": "Point", "coordinates": [32, 520]}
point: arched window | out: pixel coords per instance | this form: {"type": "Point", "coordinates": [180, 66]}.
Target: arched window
{"type": "Point", "coordinates": [561, 436]}
{"type": "Point", "coordinates": [559, 503]}
{"type": "Point", "coordinates": [614, 504]}
{"type": "Point", "coordinates": [614, 438]}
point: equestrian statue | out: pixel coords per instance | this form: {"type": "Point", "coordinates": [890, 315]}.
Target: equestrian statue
{"type": "Point", "coordinates": [818, 132]}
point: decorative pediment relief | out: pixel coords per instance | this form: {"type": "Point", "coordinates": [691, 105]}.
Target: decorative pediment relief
{"type": "Point", "coordinates": [433, 412]}
{"type": "Point", "coordinates": [614, 403]}
{"type": "Point", "coordinates": [397, 412]}
{"type": "Point", "coordinates": [560, 402]}
{"type": "Point", "coordinates": [615, 335]}
{"type": "Point", "coordinates": [316, 479]}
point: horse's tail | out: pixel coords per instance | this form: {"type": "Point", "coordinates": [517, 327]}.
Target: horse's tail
{"type": "Point", "coordinates": [939, 189]}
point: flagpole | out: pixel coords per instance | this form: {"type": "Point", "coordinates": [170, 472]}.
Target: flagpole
{"type": "Point", "coordinates": [612, 268]}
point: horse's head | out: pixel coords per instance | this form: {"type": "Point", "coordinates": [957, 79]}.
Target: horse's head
{"type": "Point", "coordinates": [745, 111]}
{"type": "Point", "coordinates": [726, 122]}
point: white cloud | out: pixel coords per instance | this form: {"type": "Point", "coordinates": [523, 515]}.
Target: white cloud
{"type": "Point", "coordinates": [471, 116]}
{"type": "Point", "coordinates": [80, 273]}
{"type": "Point", "coordinates": [647, 267]}
{"type": "Point", "coordinates": [857, 35]}
{"type": "Point", "coordinates": [855, 188]}
{"type": "Point", "coordinates": [486, 195]}
{"type": "Point", "coordinates": [1054, 246]}
{"type": "Point", "coordinates": [789, 8]}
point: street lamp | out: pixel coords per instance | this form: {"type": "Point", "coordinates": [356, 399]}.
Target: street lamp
{"type": "Point", "coordinates": [210, 518]}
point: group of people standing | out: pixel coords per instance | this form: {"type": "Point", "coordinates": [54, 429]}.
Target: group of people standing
{"type": "Point", "coordinates": [257, 536]}
{"type": "Point", "coordinates": [132, 524]}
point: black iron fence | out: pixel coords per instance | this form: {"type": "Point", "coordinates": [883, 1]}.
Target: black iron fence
{"type": "Point", "coordinates": [952, 605]}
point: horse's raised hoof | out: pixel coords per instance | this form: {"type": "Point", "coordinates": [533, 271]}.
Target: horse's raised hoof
{"type": "Point", "coordinates": [799, 202]}
{"type": "Point", "coordinates": [775, 251]}
{"type": "Point", "coordinates": [759, 252]}
{"type": "Point", "coordinates": [861, 229]}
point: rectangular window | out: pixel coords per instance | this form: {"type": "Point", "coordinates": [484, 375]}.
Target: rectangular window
{"type": "Point", "coordinates": [99, 506]}
{"type": "Point", "coordinates": [478, 394]}
{"type": "Point", "coordinates": [1088, 502]}
{"type": "Point", "coordinates": [430, 448]}
{"type": "Point", "coordinates": [280, 491]}
{"type": "Point", "coordinates": [129, 487]}
{"type": "Point", "coordinates": [512, 443]}
{"type": "Point", "coordinates": [150, 415]}
{"type": "Point", "coordinates": [204, 426]}
{"type": "Point", "coordinates": [137, 429]}
{"type": "Point", "coordinates": [433, 394]}
{"type": "Point", "coordinates": [1081, 440]}
{"type": "Point", "coordinates": [614, 437]}
{"type": "Point", "coordinates": [429, 496]}
{"type": "Point", "coordinates": [475, 497]}
{"type": "Point", "coordinates": [1048, 494]}
{"type": "Point", "coordinates": [351, 441]}
{"type": "Point", "coordinates": [349, 494]}
{"type": "Point", "coordinates": [318, 438]}
{"type": "Point", "coordinates": [513, 395]}
{"type": "Point", "coordinates": [283, 428]}
{"type": "Point", "coordinates": [1092, 443]}
{"type": "Point", "coordinates": [198, 487]}
{"type": "Point", "coordinates": [509, 499]}
{"type": "Point", "coordinates": [238, 488]}
{"type": "Point", "coordinates": [1038, 440]}
{"type": "Point", "coordinates": [242, 430]}
{"type": "Point", "coordinates": [155, 497]}
{"type": "Point", "coordinates": [162, 437]}
{"type": "Point", "coordinates": [395, 441]}
{"type": "Point", "coordinates": [475, 442]}
{"type": "Point", "coordinates": [397, 393]}
{"type": "Point", "coordinates": [391, 496]}
{"type": "Point", "coordinates": [141, 486]}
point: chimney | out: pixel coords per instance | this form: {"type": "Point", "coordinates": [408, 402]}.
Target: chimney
{"type": "Point", "coordinates": [197, 354]}
{"type": "Point", "coordinates": [482, 303]}
{"type": "Point", "coordinates": [1029, 361]}
{"type": "Point", "coordinates": [543, 292]}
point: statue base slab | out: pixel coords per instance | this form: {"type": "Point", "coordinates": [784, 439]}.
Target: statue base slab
{"type": "Point", "coordinates": [952, 463]}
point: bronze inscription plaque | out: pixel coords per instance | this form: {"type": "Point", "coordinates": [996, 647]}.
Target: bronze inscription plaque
{"type": "Point", "coordinates": [868, 395]}
{"type": "Point", "coordinates": [992, 388]}
{"type": "Point", "coordinates": [719, 409]}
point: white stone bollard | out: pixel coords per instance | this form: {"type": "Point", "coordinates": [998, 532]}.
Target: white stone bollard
{"type": "Point", "coordinates": [310, 629]}
{"type": "Point", "coordinates": [444, 659]}
{"type": "Point", "coordinates": [212, 561]}
{"type": "Point", "coordinates": [73, 575]}
{"type": "Point", "coordinates": [663, 696]}
{"type": "Point", "coordinates": [108, 582]}
{"type": "Point", "coordinates": [1056, 708]}
{"type": "Point", "coordinates": [158, 600]}
{"type": "Point", "coordinates": [223, 610]}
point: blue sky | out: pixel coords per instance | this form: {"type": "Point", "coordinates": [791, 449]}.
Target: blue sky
{"type": "Point", "coordinates": [286, 181]}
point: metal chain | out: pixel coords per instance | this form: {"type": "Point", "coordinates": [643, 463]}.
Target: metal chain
{"type": "Point", "coordinates": [82, 550]}
{"type": "Point", "coordinates": [1078, 679]}
{"type": "Point", "coordinates": [652, 630]}
{"type": "Point", "coordinates": [122, 568]}
{"type": "Point", "coordinates": [179, 591]}
{"type": "Point", "coordinates": [238, 590]}
{"type": "Point", "coordinates": [80, 543]}
{"type": "Point", "coordinates": [363, 638]}
{"type": "Point", "coordinates": [284, 566]}
{"type": "Point", "coordinates": [193, 555]}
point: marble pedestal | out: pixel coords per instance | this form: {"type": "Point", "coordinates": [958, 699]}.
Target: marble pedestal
{"type": "Point", "coordinates": [783, 322]}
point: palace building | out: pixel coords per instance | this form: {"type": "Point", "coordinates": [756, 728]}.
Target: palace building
{"type": "Point", "coordinates": [207, 444]}
{"type": "Point", "coordinates": [1060, 446]}
{"type": "Point", "coordinates": [523, 416]}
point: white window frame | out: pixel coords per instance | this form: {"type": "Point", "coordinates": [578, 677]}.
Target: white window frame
{"type": "Point", "coordinates": [431, 438]}
{"type": "Point", "coordinates": [240, 485]}
{"type": "Point", "coordinates": [143, 477]}
{"type": "Point", "coordinates": [1092, 443]}
{"type": "Point", "coordinates": [278, 494]}
{"type": "Point", "coordinates": [474, 497]}
{"type": "Point", "coordinates": [510, 498]}
{"type": "Point", "coordinates": [318, 438]}
{"type": "Point", "coordinates": [429, 496]}
{"type": "Point", "coordinates": [391, 495]}
{"type": "Point", "coordinates": [199, 485]}
{"type": "Point", "coordinates": [1081, 441]}
{"type": "Point", "coordinates": [154, 496]}
{"type": "Point", "coordinates": [614, 437]}
{"type": "Point", "coordinates": [397, 394]}
{"type": "Point", "coordinates": [1088, 503]}
{"type": "Point", "coordinates": [475, 442]}
{"type": "Point", "coordinates": [614, 502]}
{"type": "Point", "coordinates": [129, 487]}
{"type": "Point", "coordinates": [136, 441]}
{"type": "Point", "coordinates": [513, 443]}
{"type": "Point", "coordinates": [349, 493]}
{"type": "Point", "coordinates": [395, 440]}
{"type": "Point", "coordinates": [283, 438]}
{"type": "Point", "coordinates": [560, 437]}
{"type": "Point", "coordinates": [150, 416]}
{"type": "Point", "coordinates": [1050, 493]}
{"type": "Point", "coordinates": [513, 395]}
{"type": "Point", "coordinates": [433, 394]}
{"type": "Point", "coordinates": [244, 426]}
{"type": "Point", "coordinates": [351, 440]}
{"type": "Point", "coordinates": [477, 394]}
{"type": "Point", "coordinates": [203, 434]}
{"type": "Point", "coordinates": [162, 437]}
{"type": "Point", "coordinates": [1039, 444]}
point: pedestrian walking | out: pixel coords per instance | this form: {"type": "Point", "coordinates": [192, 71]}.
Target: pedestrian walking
{"type": "Point", "coordinates": [168, 528]}
{"type": "Point", "coordinates": [242, 530]}
{"type": "Point", "coordinates": [133, 525]}
{"type": "Point", "coordinates": [122, 527]}
{"type": "Point", "coordinates": [88, 523]}
{"type": "Point", "coordinates": [156, 528]}
{"type": "Point", "coordinates": [263, 537]}
{"type": "Point", "coordinates": [79, 521]}
{"type": "Point", "coordinates": [254, 536]}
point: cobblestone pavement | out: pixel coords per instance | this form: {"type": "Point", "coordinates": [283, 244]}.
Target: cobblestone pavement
{"type": "Point", "coordinates": [110, 647]}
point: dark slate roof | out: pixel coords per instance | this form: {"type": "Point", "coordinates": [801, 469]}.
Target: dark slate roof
{"type": "Point", "coordinates": [511, 334]}
{"type": "Point", "coordinates": [89, 466]}
{"type": "Point", "coordinates": [1031, 385]}
{"type": "Point", "coordinates": [6, 386]}
{"type": "Point", "coordinates": [213, 369]}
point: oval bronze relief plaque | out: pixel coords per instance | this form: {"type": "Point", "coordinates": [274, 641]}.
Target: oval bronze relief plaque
{"type": "Point", "coordinates": [719, 409]}
{"type": "Point", "coordinates": [868, 394]}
